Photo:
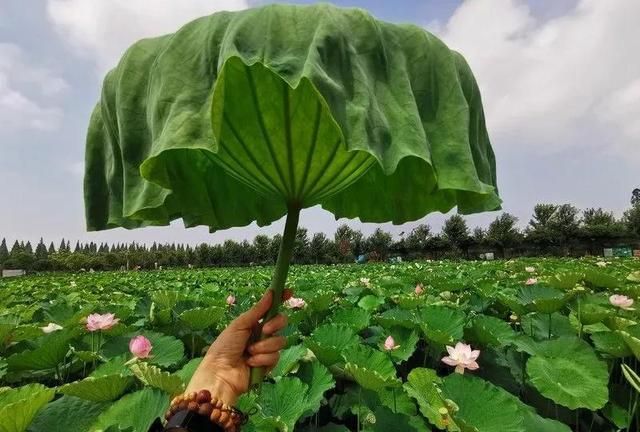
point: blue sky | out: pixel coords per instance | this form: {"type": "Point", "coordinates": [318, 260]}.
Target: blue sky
{"type": "Point", "coordinates": [561, 90]}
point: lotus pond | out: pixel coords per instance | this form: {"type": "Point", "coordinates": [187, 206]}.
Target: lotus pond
{"type": "Point", "coordinates": [367, 348]}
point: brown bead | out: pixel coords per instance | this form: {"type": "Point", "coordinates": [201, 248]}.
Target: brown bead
{"type": "Point", "coordinates": [215, 415]}
{"type": "Point", "coordinates": [203, 396]}
{"type": "Point", "coordinates": [193, 406]}
{"type": "Point", "coordinates": [224, 417]}
{"type": "Point", "coordinates": [182, 405]}
{"type": "Point", "coordinates": [205, 409]}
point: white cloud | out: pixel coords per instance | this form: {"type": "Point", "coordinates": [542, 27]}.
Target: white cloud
{"type": "Point", "coordinates": [22, 86]}
{"type": "Point", "coordinates": [570, 81]}
{"type": "Point", "coordinates": [103, 30]}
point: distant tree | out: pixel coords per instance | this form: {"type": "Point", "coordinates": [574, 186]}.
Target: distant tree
{"type": "Point", "coordinates": [41, 250]}
{"type": "Point", "coordinates": [348, 241]}
{"type": "Point", "coordinates": [478, 236]}
{"type": "Point", "coordinates": [635, 196]}
{"type": "Point", "coordinates": [600, 226]}
{"type": "Point", "coordinates": [52, 249]}
{"type": "Point", "coordinates": [301, 246]}
{"type": "Point", "coordinates": [261, 248]}
{"type": "Point", "coordinates": [320, 248]}
{"type": "Point", "coordinates": [379, 243]}
{"type": "Point", "coordinates": [15, 248]}
{"type": "Point", "coordinates": [274, 247]}
{"type": "Point", "coordinates": [456, 231]}
{"type": "Point", "coordinates": [418, 238]}
{"type": "Point", "coordinates": [28, 248]}
{"type": "Point", "coordinates": [554, 225]}
{"type": "Point", "coordinates": [4, 252]}
{"type": "Point", "coordinates": [63, 246]}
{"type": "Point", "coordinates": [503, 233]}
{"type": "Point", "coordinates": [78, 248]}
{"type": "Point", "coordinates": [631, 220]}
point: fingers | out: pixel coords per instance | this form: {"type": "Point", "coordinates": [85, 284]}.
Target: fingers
{"type": "Point", "coordinates": [264, 360]}
{"type": "Point", "coordinates": [251, 317]}
{"type": "Point", "coordinates": [274, 325]}
{"type": "Point", "coordinates": [270, 345]}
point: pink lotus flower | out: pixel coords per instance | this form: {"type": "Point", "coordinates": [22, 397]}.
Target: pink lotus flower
{"type": "Point", "coordinates": [531, 281]}
{"type": "Point", "coordinates": [419, 289]}
{"type": "Point", "coordinates": [390, 344]}
{"type": "Point", "coordinates": [295, 303]}
{"type": "Point", "coordinates": [462, 357]}
{"type": "Point", "coordinates": [530, 269]}
{"type": "Point", "coordinates": [51, 327]}
{"type": "Point", "coordinates": [621, 301]}
{"type": "Point", "coordinates": [97, 322]}
{"type": "Point", "coordinates": [231, 300]}
{"type": "Point", "coordinates": [140, 347]}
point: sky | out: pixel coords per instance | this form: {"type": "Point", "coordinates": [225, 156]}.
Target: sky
{"type": "Point", "coordinates": [560, 80]}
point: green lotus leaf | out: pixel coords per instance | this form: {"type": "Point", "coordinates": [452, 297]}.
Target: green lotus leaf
{"type": "Point", "coordinates": [318, 380]}
{"type": "Point", "coordinates": [155, 377]}
{"type": "Point", "coordinates": [370, 302]}
{"type": "Point", "coordinates": [289, 360]}
{"type": "Point", "coordinates": [114, 366]}
{"type": "Point", "coordinates": [423, 385]}
{"type": "Point", "coordinates": [100, 389]}
{"type": "Point", "coordinates": [568, 371]}
{"type": "Point", "coordinates": [540, 298]}
{"type": "Point", "coordinates": [386, 420]}
{"type": "Point", "coordinates": [370, 368]}
{"type": "Point", "coordinates": [631, 336]}
{"type": "Point", "coordinates": [284, 400]}
{"type": "Point", "coordinates": [397, 317]}
{"type": "Point", "coordinates": [616, 410]}
{"type": "Point", "coordinates": [489, 331]}
{"type": "Point", "coordinates": [634, 277]}
{"type": "Point", "coordinates": [441, 324]}
{"type": "Point", "coordinates": [599, 279]}
{"type": "Point", "coordinates": [543, 326]}
{"type": "Point", "coordinates": [591, 313]}
{"type": "Point", "coordinates": [357, 319]}
{"type": "Point", "coordinates": [486, 407]}
{"type": "Point", "coordinates": [328, 342]}
{"type": "Point", "coordinates": [166, 350]}
{"type": "Point", "coordinates": [201, 318]}
{"type": "Point", "coordinates": [189, 369]}
{"type": "Point", "coordinates": [405, 339]}
{"type": "Point", "coordinates": [68, 414]}
{"type": "Point", "coordinates": [50, 352]}
{"type": "Point", "coordinates": [564, 281]}
{"type": "Point", "coordinates": [611, 343]}
{"type": "Point", "coordinates": [136, 410]}
{"type": "Point", "coordinates": [18, 406]}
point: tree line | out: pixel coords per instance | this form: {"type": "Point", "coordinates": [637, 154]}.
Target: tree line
{"type": "Point", "coordinates": [560, 230]}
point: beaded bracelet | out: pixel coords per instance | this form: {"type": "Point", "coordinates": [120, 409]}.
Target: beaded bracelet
{"type": "Point", "coordinates": [221, 414]}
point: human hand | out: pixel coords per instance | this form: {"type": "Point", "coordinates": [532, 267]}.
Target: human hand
{"type": "Point", "coordinates": [224, 371]}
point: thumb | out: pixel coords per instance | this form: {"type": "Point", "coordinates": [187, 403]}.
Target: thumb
{"type": "Point", "coordinates": [251, 317]}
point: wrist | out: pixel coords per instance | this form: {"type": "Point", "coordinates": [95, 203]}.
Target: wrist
{"type": "Point", "coordinates": [218, 388]}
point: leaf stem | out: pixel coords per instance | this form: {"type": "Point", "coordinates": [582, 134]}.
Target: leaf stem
{"type": "Point", "coordinates": [278, 281]}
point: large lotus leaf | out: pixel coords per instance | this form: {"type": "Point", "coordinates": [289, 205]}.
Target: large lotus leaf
{"type": "Point", "coordinates": [318, 380]}
{"type": "Point", "coordinates": [543, 299]}
{"type": "Point", "coordinates": [397, 317]}
{"type": "Point", "coordinates": [289, 360]}
{"type": "Point", "coordinates": [114, 366]}
{"type": "Point", "coordinates": [631, 335]}
{"type": "Point", "coordinates": [284, 400]}
{"type": "Point", "coordinates": [67, 414]}
{"type": "Point", "coordinates": [406, 341]}
{"type": "Point", "coordinates": [328, 342]}
{"type": "Point", "coordinates": [441, 324]}
{"type": "Point", "coordinates": [201, 318]}
{"type": "Point", "coordinates": [47, 355]}
{"type": "Point", "coordinates": [287, 105]}
{"type": "Point", "coordinates": [101, 389]}
{"type": "Point", "coordinates": [153, 376]}
{"type": "Point", "coordinates": [386, 420]}
{"type": "Point", "coordinates": [489, 331]}
{"type": "Point", "coordinates": [166, 350]}
{"type": "Point", "coordinates": [357, 319]}
{"type": "Point", "coordinates": [136, 410]}
{"type": "Point", "coordinates": [18, 406]}
{"type": "Point", "coordinates": [423, 385]}
{"type": "Point", "coordinates": [610, 343]}
{"type": "Point", "coordinates": [370, 368]}
{"type": "Point", "coordinates": [568, 371]}
{"type": "Point", "coordinates": [189, 369]}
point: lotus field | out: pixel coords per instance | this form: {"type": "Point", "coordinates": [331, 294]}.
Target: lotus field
{"type": "Point", "coordinates": [522, 345]}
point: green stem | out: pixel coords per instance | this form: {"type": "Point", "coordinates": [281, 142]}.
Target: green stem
{"type": "Point", "coordinates": [279, 279]}
{"type": "Point", "coordinates": [549, 326]}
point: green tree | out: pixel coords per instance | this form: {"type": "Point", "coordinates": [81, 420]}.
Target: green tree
{"type": "Point", "coordinates": [631, 219]}
{"type": "Point", "coordinates": [418, 238]}
{"type": "Point", "coordinates": [348, 241]}
{"type": "Point", "coordinates": [600, 227]}
{"type": "Point", "coordinates": [52, 249]}
{"type": "Point", "coordinates": [301, 246]}
{"type": "Point", "coordinates": [378, 244]}
{"type": "Point", "coordinates": [456, 231]}
{"type": "Point", "coordinates": [261, 245]}
{"type": "Point", "coordinates": [41, 250]}
{"type": "Point", "coordinates": [320, 248]}
{"type": "Point", "coordinates": [503, 233]}
{"type": "Point", "coordinates": [4, 252]}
